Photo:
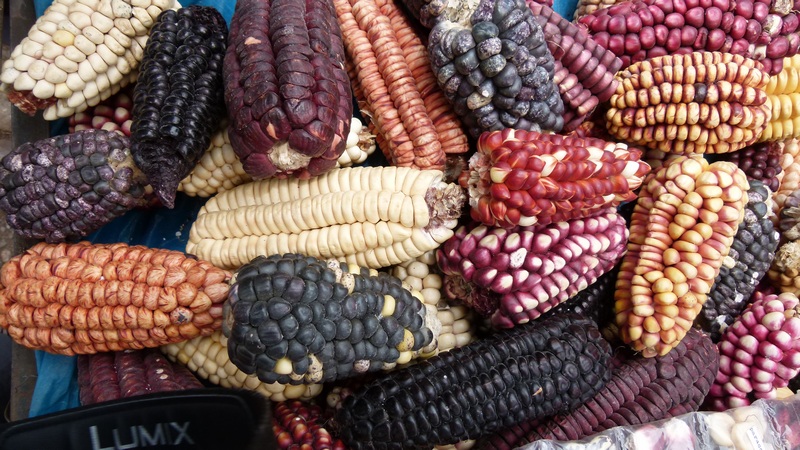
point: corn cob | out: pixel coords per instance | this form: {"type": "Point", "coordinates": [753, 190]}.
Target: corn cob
{"type": "Point", "coordinates": [78, 54]}
{"type": "Point", "coordinates": [299, 425]}
{"type": "Point", "coordinates": [515, 275]}
{"type": "Point", "coordinates": [529, 372]}
{"type": "Point", "coordinates": [783, 97]}
{"type": "Point", "coordinates": [584, 71]}
{"type": "Point", "coordinates": [785, 271]}
{"type": "Point", "coordinates": [207, 357]}
{"type": "Point", "coordinates": [295, 319]}
{"type": "Point", "coordinates": [112, 114]}
{"type": "Point", "coordinates": [641, 390]}
{"type": "Point", "coordinates": [526, 178]}
{"type": "Point", "coordinates": [178, 101]}
{"type": "Point", "coordinates": [760, 352]}
{"type": "Point", "coordinates": [749, 259]}
{"type": "Point", "coordinates": [360, 144]}
{"type": "Point", "coordinates": [682, 228]}
{"type": "Point", "coordinates": [389, 88]}
{"type": "Point", "coordinates": [67, 186]}
{"type": "Point", "coordinates": [85, 298]}
{"type": "Point", "coordinates": [458, 321]}
{"type": "Point", "coordinates": [596, 302]}
{"type": "Point", "coordinates": [586, 7]}
{"type": "Point", "coordinates": [789, 176]}
{"type": "Point", "coordinates": [287, 93]}
{"type": "Point", "coordinates": [497, 70]}
{"type": "Point", "coordinates": [371, 216]}
{"type": "Point", "coordinates": [760, 162]}
{"type": "Point", "coordinates": [644, 29]}
{"type": "Point", "coordinates": [686, 103]}
{"type": "Point", "coordinates": [113, 375]}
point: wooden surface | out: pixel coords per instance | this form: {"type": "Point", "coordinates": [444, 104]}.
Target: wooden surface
{"type": "Point", "coordinates": [23, 129]}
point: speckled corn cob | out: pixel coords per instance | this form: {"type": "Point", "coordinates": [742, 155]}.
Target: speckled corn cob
{"type": "Point", "coordinates": [113, 375]}
{"type": "Point", "coordinates": [85, 298]}
{"type": "Point", "coordinates": [495, 67]}
{"type": "Point", "coordinates": [458, 321]}
{"type": "Point", "coordinates": [532, 371]}
{"type": "Point", "coordinates": [682, 228]}
{"type": "Point", "coordinates": [785, 271]}
{"type": "Point", "coordinates": [286, 88]}
{"type": "Point", "coordinates": [760, 352]}
{"type": "Point", "coordinates": [703, 102]}
{"type": "Point", "coordinates": [760, 162]}
{"type": "Point", "coordinates": [515, 275]}
{"type": "Point", "coordinates": [371, 216]}
{"type": "Point", "coordinates": [790, 176]}
{"type": "Point", "coordinates": [783, 97]}
{"type": "Point", "coordinates": [67, 186]}
{"type": "Point", "coordinates": [112, 114]}
{"type": "Point", "coordinates": [178, 101]}
{"type": "Point", "coordinates": [207, 357]}
{"type": "Point", "coordinates": [749, 259]}
{"type": "Point", "coordinates": [526, 178]}
{"type": "Point", "coordinates": [296, 319]}
{"type": "Point", "coordinates": [641, 390]}
{"type": "Point", "coordinates": [299, 425]}
{"type": "Point", "coordinates": [78, 54]}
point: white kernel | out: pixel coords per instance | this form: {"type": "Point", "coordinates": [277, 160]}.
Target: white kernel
{"type": "Point", "coordinates": [114, 75]}
{"type": "Point", "coordinates": [66, 64]}
{"type": "Point", "coordinates": [75, 82]}
{"type": "Point", "coordinates": [125, 27]}
{"type": "Point", "coordinates": [47, 26]}
{"type": "Point", "coordinates": [138, 27]}
{"type": "Point", "coordinates": [62, 91]}
{"type": "Point", "coordinates": [37, 36]}
{"type": "Point", "coordinates": [103, 83]}
{"type": "Point", "coordinates": [114, 45]}
{"type": "Point", "coordinates": [80, 19]}
{"type": "Point", "coordinates": [44, 89]}
{"type": "Point", "coordinates": [22, 62]}
{"type": "Point", "coordinates": [83, 44]}
{"type": "Point", "coordinates": [101, 22]}
{"type": "Point", "coordinates": [123, 65]}
{"type": "Point", "coordinates": [93, 101]}
{"type": "Point", "coordinates": [24, 82]}
{"type": "Point", "coordinates": [37, 69]}
{"type": "Point", "coordinates": [55, 75]}
{"type": "Point", "coordinates": [104, 7]}
{"type": "Point", "coordinates": [143, 16]}
{"type": "Point", "coordinates": [91, 89]}
{"type": "Point", "coordinates": [69, 28]}
{"type": "Point", "coordinates": [77, 100]}
{"type": "Point", "coordinates": [154, 11]}
{"type": "Point", "coordinates": [93, 34]}
{"type": "Point", "coordinates": [120, 37]}
{"type": "Point", "coordinates": [86, 71]}
{"type": "Point", "coordinates": [9, 75]}
{"type": "Point", "coordinates": [31, 48]}
{"type": "Point", "coordinates": [52, 50]}
{"type": "Point", "coordinates": [97, 62]}
{"type": "Point", "coordinates": [60, 110]}
{"type": "Point", "coordinates": [74, 54]}
{"type": "Point", "coordinates": [121, 9]}
{"type": "Point", "coordinates": [107, 55]}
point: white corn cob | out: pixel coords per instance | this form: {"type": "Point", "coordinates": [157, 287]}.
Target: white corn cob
{"type": "Point", "coordinates": [207, 357]}
{"type": "Point", "coordinates": [458, 321]}
{"type": "Point", "coordinates": [370, 216]}
{"type": "Point", "coordinates": [79, 53]}
{"type": "Point", "coordinates": [220, 170]}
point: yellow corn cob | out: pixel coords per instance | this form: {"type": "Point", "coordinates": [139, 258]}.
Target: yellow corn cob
{"type": "Point", "coordinates": [371, 216]}
{"type": "Point", "coordinates": [207, 357]}
{"type": "Point", "coordinates": [783, 98]}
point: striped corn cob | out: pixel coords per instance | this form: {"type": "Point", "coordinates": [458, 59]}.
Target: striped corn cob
{"type": "Point", "coordinates": [413, 123]}
{"type": "Point", "coordinates": [760, 352]}
{"type": "Point", "coordinates": [748, 261]}
{"type": "Point", "coordinates": [112, 114]}
{"type": "Point", "coordinates": [458, 321]}
{"type": "Point", "coordinates": [515, 275]}
{"type": "Point", "coordinates": [85, 298]}
{"type": "Point", "coordinates": [110, 376]}
{"type": "Point", "coordinates": [371, 216]}
{"type": "Point", "coordinates": [532, 371]}
{"type": "Point", "coordinates": [641, 390]}
{"type": "Point", "coordinates": [286, 89]}
{"type": "Point", "coordinates": [685, 103]}
{"type": "Point", "coordinates": [296, 319]}
{"type": "Point", "coordinates": [584, 71]}
{"type": "Point", "coordinates": [495, 67]}
{"type": "Point", "coordinates": [526, 178]}
{"type": "Point", "coordinates": [79, 53]}
{"type": "Point", "coordinates": [178, 101]}
{"type": "Point", "coordinates": [299, 425]}
{"type": "Point", "coordinates": [67, 186]}
{"type": "Point", "coordinates": [682, 228]}
{"type": "Point", "coordinates": [207, 357]}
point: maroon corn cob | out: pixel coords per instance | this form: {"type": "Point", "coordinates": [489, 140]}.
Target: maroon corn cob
{"type": "Point", "coordinates": [641, 390]}
{"type": "Point", "coordinates": [761, 161]}
{"type": "Point", "coordinates": [516, 275]}
{"type": "Point", "coordinates": [113, 375]}
{"type": "Point", "coordinates": [300, 425]}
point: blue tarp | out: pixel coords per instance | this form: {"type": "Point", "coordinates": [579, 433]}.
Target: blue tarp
{"type": "Point", "coordinates": [56, 385]}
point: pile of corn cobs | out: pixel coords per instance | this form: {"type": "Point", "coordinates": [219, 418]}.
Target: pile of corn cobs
{"type": "Point", "coordinates": [621, 177]}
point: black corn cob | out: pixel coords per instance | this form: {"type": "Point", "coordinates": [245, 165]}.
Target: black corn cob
{"type": "Point", "coordinates": [641, 390]}
{"type": "Point", "coordinates": [178, 99]}
{"type": "Point", "coordinates": [497, 72]}
{"type": "Point", "coordinates": [67, 186]}
{"type": "Point", "coordinates": [750, 257]}
{"type": "Point", "coordinates": [286, 88]}
{"type": "Point", "coordinates": [535, 370]}
{"type": "Point", "coordinates": [109, 376]}
{"type": "Point", "coordinates": [294, 319]}
{"type": "Point", "coordinates": [596, 302]}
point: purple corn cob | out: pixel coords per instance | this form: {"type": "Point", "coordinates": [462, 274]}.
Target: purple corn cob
{"type": "Point", "coordinates": [515, 275]}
